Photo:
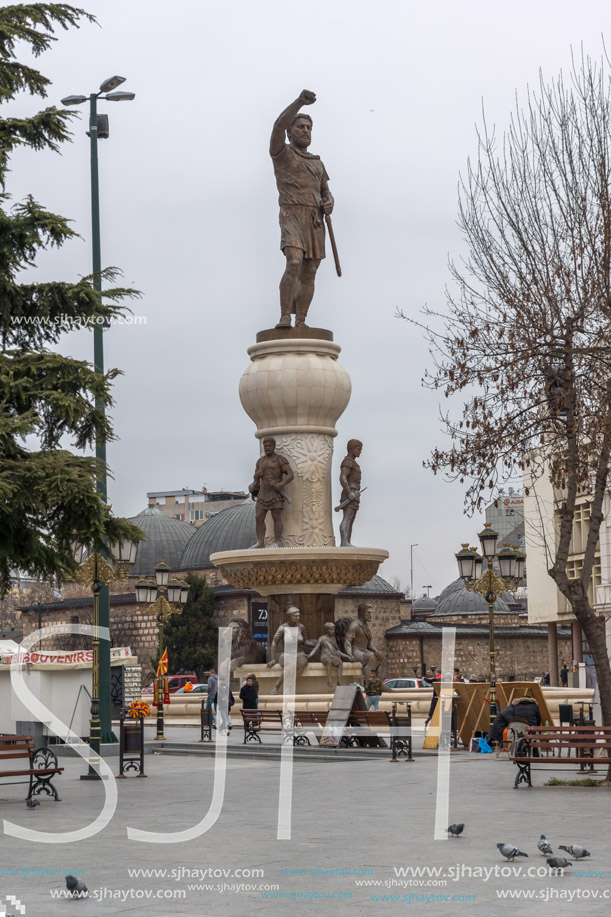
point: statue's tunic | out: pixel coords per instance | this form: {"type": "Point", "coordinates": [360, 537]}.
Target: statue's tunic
{"type": "Point", "coordinates": [351, 470]}
{"type": "Point", "coordinates": [269, 470]}
{"type": "Point", "coordinates": [299, 177]}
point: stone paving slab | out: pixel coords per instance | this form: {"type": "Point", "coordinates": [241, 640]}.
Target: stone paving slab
{"type": "Point", "coordinates": [347, 819]}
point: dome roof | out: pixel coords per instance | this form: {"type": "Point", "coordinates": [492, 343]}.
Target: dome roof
{"type": "Point", "coordinates": [375, 586]}
{"type": "Point", "coordinates": [457, 600]}
{"type": "Point", "coordinates": [424, 604]}
{"type": "Point", "coordinates": [233, 529]}
{"type": "Point", "coordinates": [165, 540]}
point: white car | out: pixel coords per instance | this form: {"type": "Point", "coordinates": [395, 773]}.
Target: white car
{"type": "Point", "coordinates": [402, 684]}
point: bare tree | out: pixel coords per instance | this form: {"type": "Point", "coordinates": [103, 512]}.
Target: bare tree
{"type": "Point", "coordinates": [13, 601]}
{"type": "Point", "coordinates": [398, 586]}
{"type": "Point", "coordinates": [526, 337]}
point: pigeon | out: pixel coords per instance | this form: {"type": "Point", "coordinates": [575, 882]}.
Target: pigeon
{"type": "Point", "coordinates": [456, 830]}
{"type": "Point", "coordinates": [576, 851]}
{"type": "Point", "coordinates": [558, 862]}
{"type": "Point", "coordinates": [77, 887]}
{"type": "Point", "coordinates": [32, 803]}
{"type": "Point", "coordinates": [509, 851]}
{"type": "Point", "coordinates": [544, 845]}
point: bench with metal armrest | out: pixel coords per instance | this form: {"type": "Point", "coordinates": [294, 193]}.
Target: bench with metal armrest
{"type": "Point", "coordinates": [39, 764]}
{"type": "Point", "coordinates": [585, 746]}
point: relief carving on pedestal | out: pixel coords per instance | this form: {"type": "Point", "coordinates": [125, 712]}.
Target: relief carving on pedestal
{"type": "Point", "coordinates": [310, 455]}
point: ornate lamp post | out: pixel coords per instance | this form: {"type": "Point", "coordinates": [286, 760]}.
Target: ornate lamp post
{"type": "Point", "coordinates": [511, 563]}
{"type": "Point", "coordinates": [177, 592]}
{"type": "Point", "coordinates": [97, 572]}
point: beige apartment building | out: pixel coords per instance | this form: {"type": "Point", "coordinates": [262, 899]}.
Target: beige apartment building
{"type": "Point", "coordinates": [194, 506]}
{"type": "Point", "coordinates": [546, 605]}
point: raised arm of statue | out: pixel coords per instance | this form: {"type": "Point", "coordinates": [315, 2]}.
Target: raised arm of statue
{"type": "Point", "coordinates": [284, 121]}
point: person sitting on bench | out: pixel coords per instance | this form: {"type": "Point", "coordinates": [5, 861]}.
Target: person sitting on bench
{"type": "Point", "coordinates": [524, 708]}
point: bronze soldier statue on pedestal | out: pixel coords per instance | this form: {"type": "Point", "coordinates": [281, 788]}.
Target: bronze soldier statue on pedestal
{"type": "Point", "coordinates": [272, 474]}
{"type": "Point", "coordinates": [350, 500]}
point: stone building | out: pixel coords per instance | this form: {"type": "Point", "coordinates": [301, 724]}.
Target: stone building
{"type": "Point", "coordinates": [414, 646]}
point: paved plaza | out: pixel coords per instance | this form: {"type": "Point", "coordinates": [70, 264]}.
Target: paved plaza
{"type": "Point", "coordinates": [362, 840]}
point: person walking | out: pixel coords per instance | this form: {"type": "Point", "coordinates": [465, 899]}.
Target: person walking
{"type": "Point", "coordinates": [228, 696]}
{"type": "Point", "coordinates": [373, 689]}
{"type": "Point", "coordinates": [564, 675]}
{"type": "Point", "coordinates": [213, 681]}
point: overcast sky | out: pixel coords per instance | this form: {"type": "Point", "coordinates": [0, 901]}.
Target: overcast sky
{"type": "Point", "coordinates": [190, 214]}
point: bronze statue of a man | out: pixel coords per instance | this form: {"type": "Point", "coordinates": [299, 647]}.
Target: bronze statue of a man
{"type": "Point", "coordinates": [350, 500]}
{"type": "Point", "coordinates": [358, 643]}
{"type": "Point", "coordinates": [272, 474]}
{"type": "Point", "coordinates": [277, 648]}
{"type": "Point", "coordinates": [330, 654]}
{"type": "Point", "coordinates": [304, 198]}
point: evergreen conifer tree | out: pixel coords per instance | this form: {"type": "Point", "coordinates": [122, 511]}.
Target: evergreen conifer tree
{"type": "Point", "coordinates": [47, 492]}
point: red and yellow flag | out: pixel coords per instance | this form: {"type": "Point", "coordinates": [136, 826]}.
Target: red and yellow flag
{"type": "Point", "coordinates": [162, 668]}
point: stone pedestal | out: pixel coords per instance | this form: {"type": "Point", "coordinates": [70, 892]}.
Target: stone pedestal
{"type": "Point", "coordinates": [313, 680]}
{"type": "Point", "coordinates": [295, 390]}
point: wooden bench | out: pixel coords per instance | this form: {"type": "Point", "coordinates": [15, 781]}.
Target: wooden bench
{"type": "Point", "coordinates": [363, 727]}
{"type": "Point", "coordinates": [40, 764]}
{"type": "Point", "coordinates": [258, 721]}
{"type": "Point", "coordinates": [293, 729]}
{"type": "Point", "coordinates": [590, 744]}
{"type": "Point", "coordinates": [308, 721]}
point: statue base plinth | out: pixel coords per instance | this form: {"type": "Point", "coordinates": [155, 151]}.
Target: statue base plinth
{"type": "Point", "coordinates": [294, 334]}
{"type": "Point", "coordinates": [295, 571]}
{"type": "Point", "coordinates": [312, 681]}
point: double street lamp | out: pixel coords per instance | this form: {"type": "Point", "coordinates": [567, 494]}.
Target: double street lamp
{"type": "Point", "coordinates": [98, 572]}
{"type": "Point", "coordinates": [511, 563]}
{"type": "Point", "coordinates": [98, 127]}
{"type": "Point", "coordinates": [153, 592]}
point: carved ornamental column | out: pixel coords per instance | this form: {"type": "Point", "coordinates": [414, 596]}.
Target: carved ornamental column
{"type": "Point", "coordinates": [295, 390]}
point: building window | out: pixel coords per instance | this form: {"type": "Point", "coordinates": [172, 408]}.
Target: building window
{"type": "Point", "coordinates": [196, 514]}
{"type": "Point", "coordinates": [180, 516]}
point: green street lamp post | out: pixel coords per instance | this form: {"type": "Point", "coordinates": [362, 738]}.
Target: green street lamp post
{"type": "Point", "coordinates": [98, 128]}
{"type": "Point", "coordinates": [177, 592]}
{"type": "Point", "coordinates": [511, 563]}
